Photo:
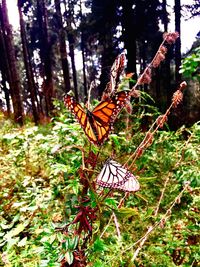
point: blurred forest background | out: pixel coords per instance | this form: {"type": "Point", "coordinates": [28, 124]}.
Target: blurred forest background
{"type": "Point", "coordinates": [52, 212]}
{"type": "Point", "coordinates": [38, 62]}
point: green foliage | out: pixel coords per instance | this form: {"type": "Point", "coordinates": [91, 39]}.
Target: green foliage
{"type": "Point", "coordinates": [191, 64]}
{"type": "Point", "coordinates": [42, 182]}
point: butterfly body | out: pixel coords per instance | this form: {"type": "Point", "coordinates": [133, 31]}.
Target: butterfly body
{"type": "Point", "coordinates": [98, 123]}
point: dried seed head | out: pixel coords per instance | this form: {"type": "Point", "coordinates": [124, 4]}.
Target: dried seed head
{"type": "Point", "coordinates": [175, 35]}
{"type": "Point", "coordinates": [169, 212]}
{"type": "Point", "coordinates": [182, 85]}
{"type": "Point", "coordinates": [129, 107]}
{"type": "Point", "coordinates": [161, 120]}
{"type": "Point", "coordinates": [162, 223]}
{"type": "Point", "coordinates": [177, 98]}
{"type": "Point", "coordinates": [171, 37]}
{"type": "Point", "coordinates": [140, 151]}
{"type": "Point", "coordinates": [157, 60]}
{"type": "Point", "coordinates": [163, 49]}
{"type": "Point", "coordinates": [144, 78]}
{"type": "Point", "coordinates": [149, 139]}
{"type": "Point", "coordinates": [148, 71]}
{"type": "Point", "coordinates": [178, 200]}
{"type": "Point", "coordinates": [135, 93]}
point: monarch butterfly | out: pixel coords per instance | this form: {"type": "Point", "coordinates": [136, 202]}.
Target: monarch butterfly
{"type": "Point", "coordinates": [98, 123]}
{"type": "Point", "coordinates": [114, 175]}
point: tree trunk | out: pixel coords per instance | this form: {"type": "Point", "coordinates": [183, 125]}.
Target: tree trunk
{"type": "Point", "coordinates": [83, 58]}
{"type": "Point", "coordinates": [28, 67]}
{"type": "Point", "coordinates": [165, 15]}
{"type": "Point", "coordinates": [63, 50]}
{"type": "Point", "coordinates": [45, 55]}
{"type": "Point", "coordinates": [3, 68]}
{"type": "Point", "coordinates": [14, 81]}
{"type": "Point", "coordinates": [69, 11]}
{"type": "Point", "coordinates": [84, 67]}
{"type": "Point", "coordinates": [177, 10]}
{"type": "Point", "coordinates": [72, 56]}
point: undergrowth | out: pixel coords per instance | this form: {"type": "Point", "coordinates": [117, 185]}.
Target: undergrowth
{"type": "Point", "coordinates": [40, 193]}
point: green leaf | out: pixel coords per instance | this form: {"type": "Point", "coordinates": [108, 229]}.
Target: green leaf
{"type": "Point", "coordinates": [69, 257]}
{"type": "Point", "coordinates": [99, 245]}
{"type": "Point", "coordinates": [12, 242]}
{"type": "Point", "coordinates": [126, 212]}
{"type": "Point", "coordinates": [22, 242]}
{"type": "Point", "coordinates": [52, 238]}
{"type": "Point", "coordinates": [111, 202]}
{"type": "Point", "coordinates": [20, 227]}
{"type": "Point", "coordinates": [75, 242]}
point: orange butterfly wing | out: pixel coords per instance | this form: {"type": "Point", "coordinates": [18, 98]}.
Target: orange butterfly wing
{"type": "Point", "coordinates": [98, 123]}
{"type": "Point", "coordinates": [81, 116]}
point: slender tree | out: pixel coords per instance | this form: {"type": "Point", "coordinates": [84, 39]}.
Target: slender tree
{"type": "Point", "coordinates": [83, 48]}
{"type": "Point", "coordinates": [62, 44]}
{"type": "Point", "coordinates": [45, 55]}
{"type": "Point", "coordinates": [12, 72]}
{"type": "Point", "coordinates": [28, 66]}
{"type": "Point", "coordinates": [69, 18]}
{"type": "Point", "coordinates": [5, 72]}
